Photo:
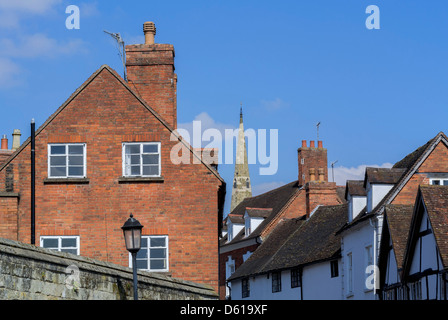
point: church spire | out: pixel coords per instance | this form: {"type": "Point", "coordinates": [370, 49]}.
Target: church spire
{"type": "Point", "coordinates": [241, 187]}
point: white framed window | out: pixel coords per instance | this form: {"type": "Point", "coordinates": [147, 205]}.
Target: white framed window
{"type": "Point", "coordinates": [368, 261]}
{"type": "Point", "coordinates": [67, 160]}
{"type": "Point", "coordinates": [153, 254]}
{"type": "Point", "coordinates": [68, 244]}
{"type": "Point", "coordinates": [439, 182]}
{"type": "Point", "coordinates": [349, 274]}
{"type": "Point", "coordinates": [141, 159]}
{"type": "Point", "coordinates": [276, 281]}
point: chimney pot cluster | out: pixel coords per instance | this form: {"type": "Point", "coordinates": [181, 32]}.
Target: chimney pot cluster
{"type": "Point", "coordinates": [320, 172]}
{"type": "Point", "coordinates": [15, 140]}
{"type": "Point", "coordinates": [312, 144]}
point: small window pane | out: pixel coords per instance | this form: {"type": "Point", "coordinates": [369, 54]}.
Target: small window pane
{"type": "Point", "coordinates": [142, 253]}
{"type": "Point", "coordinates": [158, 264]}
{"type": "Point", "coordinates": [75, 160]}
{"type": "Point", "coordinates": [75, 171]}
{"type": "Point", "coordinates": [79, 149]}
{"type": "Point", "coordinates": [150, 148]}
{"type": "Point", "coordinates": [68, 242]}
{"type": "Point", "coordinates": [158, 253]}
{"type": "Point", "coordinates": [142, 264]}
{"type": "Point", "coordinates": [57, 160]}
{"type": "Point", "coordinates": [50, 243]}
{"type": "Point", "coordinates": [135, 170]}
{"type": "Point", "coordinates": [72, 251]}
{"type": "Point", "coordinates": [157, 242]}
{"type": "Point", "coordinates": [150, 170]}
{"type": "Point", "coordinates": [132, 149]}
{"type": "Point", "coordinates": [135, 159]}
{"type": "Point", "coordinates": [150, 159]}
{"type": "Point", "coordinates": [57, 149]}
{"type": "Point", "coordinates": [144, 242]}
{"type": "Point", "coordinates": [445, 182]}
{"type": "Point", "coordinates": [57, 171]}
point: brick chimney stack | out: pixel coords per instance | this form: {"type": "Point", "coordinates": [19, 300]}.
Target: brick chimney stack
{"type": "Point", "coordinates": [4, 145]}
{"type": "Point", "coordinates": [150, 71]}
{"type": "Point", "coordinates": [312, 158]}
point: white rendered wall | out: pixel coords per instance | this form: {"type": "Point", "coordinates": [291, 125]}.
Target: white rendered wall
{"type": "Point", "coordinates": [319, 285]}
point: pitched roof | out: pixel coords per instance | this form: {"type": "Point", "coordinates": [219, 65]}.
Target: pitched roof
{"type": "Point", "coordinates": [124, 83]}
{"type": "Point", "coordinates": [355, 188]}
{"type": "Point", "coordinates": [410, 164]}
{"type": "Point", "coordinates": [275, 200]}
{"type": "Point", "coordinates": [399, 220]}
{"type": "Point", "coordinates": [383, 175]}
{"type": "Point", "coordinates": [259, 212]}
{"type": "Point", "coordinates": [436, 203]}
{"type": "Point", "coordinates": [298, 242]}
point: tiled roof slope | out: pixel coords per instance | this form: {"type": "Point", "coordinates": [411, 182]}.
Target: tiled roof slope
{"type": "Point", "coordinates": [436, 203]}
{"type": "Point", "coordinates": [383, 175]}
{"type": "Point", "coordinates": [275, 200]}
{"type": "Point", "coordinates": [399, 220]}
{"type": "Point", "coordinates": [410, 164]}
{"type": "Point", "coordinates": [297, 242]}
{"type": "Point", "coordinates": [355, 188]}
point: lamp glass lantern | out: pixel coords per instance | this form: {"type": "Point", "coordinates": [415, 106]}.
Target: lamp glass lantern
{"type": "Point", "coordinates": [132, 231]}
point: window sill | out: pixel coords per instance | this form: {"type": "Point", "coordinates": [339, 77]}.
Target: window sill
{"type": "Point", "coordinates": [66, 180]}
{"type": "Point", "coordinates": [9, 194]}
{"type": "Point", "coordinates": [140, 179]}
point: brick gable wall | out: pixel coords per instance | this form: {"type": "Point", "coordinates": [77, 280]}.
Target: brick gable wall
{"type": "Point", "coordinates": [437, 161]}
{"type": "Point", "coordinates": [184, 205]}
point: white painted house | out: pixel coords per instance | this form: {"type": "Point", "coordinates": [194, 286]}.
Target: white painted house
{"type": "Point", "coordinates": [300, 260]}
{"type": "Point", "coordinates": [361, 237]}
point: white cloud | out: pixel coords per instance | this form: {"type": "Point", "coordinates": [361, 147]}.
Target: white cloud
{"type": "Point", "coordinates": [40, 45]}
{"type": "Point", "coordinates": [206, 122]}
{"type": "Point", "coordinates": [274, 105]}
{"type": "Point", "coordinates": [13, 11]}
{"type": "Point", "coordinates": [342, 174]}
{"type": "Point", "coordinates": [33, 6]}
{"type": "Point", "coordinates": [10, 73]}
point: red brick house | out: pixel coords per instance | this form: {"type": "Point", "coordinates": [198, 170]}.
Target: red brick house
{"type": "Point", "coordinates": [104, 154]}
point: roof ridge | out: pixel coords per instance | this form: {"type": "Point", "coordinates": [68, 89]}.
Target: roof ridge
{"type": "Point", "coordinates": [143, 102]}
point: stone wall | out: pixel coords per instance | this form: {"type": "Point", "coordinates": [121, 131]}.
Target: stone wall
{"type": "Point", "coordinates": [29, 272]}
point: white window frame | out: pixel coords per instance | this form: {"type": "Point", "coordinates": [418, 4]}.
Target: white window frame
{"type": "Point", "coordinates": [148, 253]}
{"type": "Point", "coordinates": [42, 238]}
{"type": "Point", "coordinates": [124, 144]}
{"type": "Point", "coordinates": [349, 274]}
{"type": "Point", "coordinates": [84, 166]}
{"type": "Point", "coordinates": [441, 180]}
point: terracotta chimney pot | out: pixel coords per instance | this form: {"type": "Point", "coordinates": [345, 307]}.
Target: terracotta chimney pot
{"type": "Point", "coordinates": [4, 145]}
{"type": "Point", "coordinates": [149, 29]}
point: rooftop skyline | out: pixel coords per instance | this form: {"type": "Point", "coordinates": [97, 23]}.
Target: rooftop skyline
{"type": "Point", "coordinates": [377, 93]}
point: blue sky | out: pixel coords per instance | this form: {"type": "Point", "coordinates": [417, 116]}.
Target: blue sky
{"type": "Point", "coordinates": [378, 94]}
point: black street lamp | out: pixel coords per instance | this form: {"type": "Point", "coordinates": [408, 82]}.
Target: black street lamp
{"type": "Point", "coordinates": [132, 230]}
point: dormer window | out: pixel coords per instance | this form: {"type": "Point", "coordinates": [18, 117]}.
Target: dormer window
{"type": "Point", "coordinates": [438, 179]}
{"type": "Point", "coordinates": [253, 217]}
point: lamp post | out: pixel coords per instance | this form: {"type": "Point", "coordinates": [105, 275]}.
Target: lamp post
{"type": "Point", "coordinates": [132, 231]}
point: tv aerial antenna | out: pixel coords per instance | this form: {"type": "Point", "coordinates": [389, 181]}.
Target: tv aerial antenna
{"type": "Point", "coordinates": [120, 48]}
{"type": "Point", "coordinates": [332, 168]}
{"type": "Point", "coordinates": [317, 128]}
